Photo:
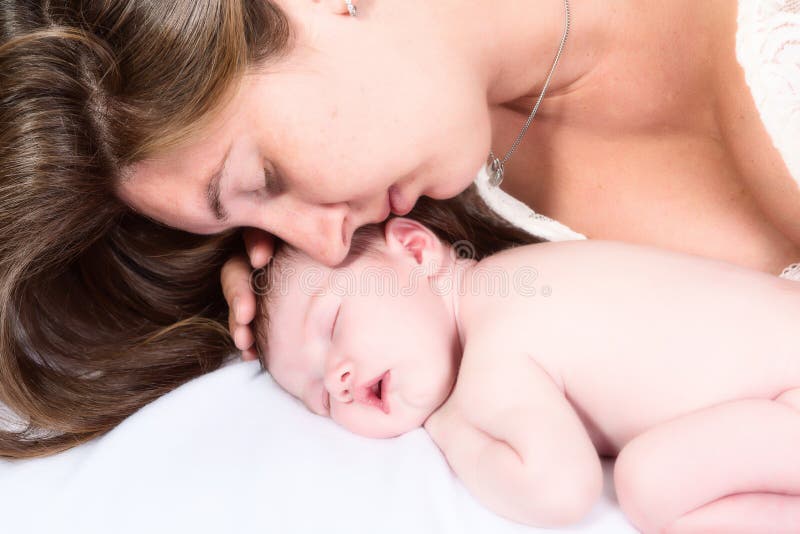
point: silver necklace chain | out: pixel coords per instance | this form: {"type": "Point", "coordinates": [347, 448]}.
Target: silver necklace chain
{"type": "Point", "coordinates": [495, 165]}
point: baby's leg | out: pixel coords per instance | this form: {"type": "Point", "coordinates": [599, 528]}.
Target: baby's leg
{"type": "Point", "coordinates": [730, 468]}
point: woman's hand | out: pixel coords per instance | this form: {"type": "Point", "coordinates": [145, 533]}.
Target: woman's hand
{"type": "Point", "coordinates": [238, 292]}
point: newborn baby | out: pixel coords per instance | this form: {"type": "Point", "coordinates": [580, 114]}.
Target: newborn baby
{"type": "Point", "coordinates": [526, 366]}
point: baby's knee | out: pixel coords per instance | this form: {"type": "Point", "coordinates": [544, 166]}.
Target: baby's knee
{"type": "Point", "coordinates": [639, 487]}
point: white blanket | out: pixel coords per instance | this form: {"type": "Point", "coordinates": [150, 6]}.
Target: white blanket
{"type": "Point", "coordinates": [232, 452]}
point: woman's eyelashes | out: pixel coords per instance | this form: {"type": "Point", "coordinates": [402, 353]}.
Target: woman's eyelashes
{"type": "Point", "coordinates": [272, 182]}
{"type": "Point", "coordinates": [268, 186]}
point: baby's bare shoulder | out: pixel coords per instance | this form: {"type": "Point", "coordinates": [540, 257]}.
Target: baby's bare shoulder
{"type": "Point", "coordinates": [535, 299]}
{"type": "Point", "coordinates": [511, 289]}
{"type": "Point", "coordinates": [590, 275]}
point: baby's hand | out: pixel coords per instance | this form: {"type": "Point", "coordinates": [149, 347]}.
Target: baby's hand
{"type": "Point", "coordinates": [238, 292]}
{"type": "Point", "coordinates": [491, 469]}
{"type": "Point", "coordinates": [509, 433]}
{"type": "Point", "coordinates": [459, 440]}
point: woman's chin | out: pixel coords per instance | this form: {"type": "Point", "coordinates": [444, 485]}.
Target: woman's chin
{"type": "Point", "coordinates": [452, 187]}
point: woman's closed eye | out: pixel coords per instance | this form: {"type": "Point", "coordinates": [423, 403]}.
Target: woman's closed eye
{"type": "Point", "coordinates": [273, 185]}
{"type": "Point", "coordinates": [269, 186]}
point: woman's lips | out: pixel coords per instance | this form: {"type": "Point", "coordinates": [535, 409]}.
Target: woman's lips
{"type": "Point", "coordinates": [387, 209]}
{"type": "Point", "coordinates": [400, 204]}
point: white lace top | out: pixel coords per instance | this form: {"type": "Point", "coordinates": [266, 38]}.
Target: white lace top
{"type": "Point", "coordinates": [768, 48]}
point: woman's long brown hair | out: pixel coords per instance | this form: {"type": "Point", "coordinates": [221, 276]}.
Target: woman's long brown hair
{"type": "Point", "coordinates": [102, 310]}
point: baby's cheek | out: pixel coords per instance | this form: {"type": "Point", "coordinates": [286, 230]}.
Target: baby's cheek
{"type": "Point", "coordinates": [352, 418]}
{"type": "Point", "coordinates": [370, 423]}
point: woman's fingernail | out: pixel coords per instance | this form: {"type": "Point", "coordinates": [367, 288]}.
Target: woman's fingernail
{"type": "Point", "coordinates": [235, 307]}
{"type": "Point", "coordinates": [238, 338]}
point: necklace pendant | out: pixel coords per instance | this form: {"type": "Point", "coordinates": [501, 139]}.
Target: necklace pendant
{"type": "Point", "coordinates": [496, 171]}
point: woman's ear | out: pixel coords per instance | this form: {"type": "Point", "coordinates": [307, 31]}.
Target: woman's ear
{"type": "Point", "coordinates": [409, 238]}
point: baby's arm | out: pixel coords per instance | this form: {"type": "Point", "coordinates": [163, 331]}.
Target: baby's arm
{"type": "Point", "coordinates": [514, 440]}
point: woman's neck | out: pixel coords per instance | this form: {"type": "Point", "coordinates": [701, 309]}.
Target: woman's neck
{"type": "Point", "coordinates": [514, 43]}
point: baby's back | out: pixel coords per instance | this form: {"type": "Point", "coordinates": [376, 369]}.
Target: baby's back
{"type": "Point", "coordinates": [634, 335]}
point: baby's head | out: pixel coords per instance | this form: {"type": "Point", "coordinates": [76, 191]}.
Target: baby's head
{"type": "Point", "coordinates": [374, 342]}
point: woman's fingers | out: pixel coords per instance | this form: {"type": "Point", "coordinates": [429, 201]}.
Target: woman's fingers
{"type": "Point", "coordinates": [241, 300]}
{"type": "Point", "coordinates": [243, 337]}
{"type": "Point", "coordinates": [238, 290]}
{"type": "Point", "coordinates": [260, 246]}
{"type": "Point", "coordinates": [249, 355]}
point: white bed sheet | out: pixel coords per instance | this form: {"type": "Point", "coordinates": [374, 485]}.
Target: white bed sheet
{"type": "Point", "coordinates": [231, 452]}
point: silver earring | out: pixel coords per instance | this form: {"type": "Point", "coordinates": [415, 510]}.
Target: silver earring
{"type": "Point", "coordinates": [351, 8]}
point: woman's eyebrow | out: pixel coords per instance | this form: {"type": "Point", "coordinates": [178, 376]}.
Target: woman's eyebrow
{"type": "Point", "coordinates": [213, 190]}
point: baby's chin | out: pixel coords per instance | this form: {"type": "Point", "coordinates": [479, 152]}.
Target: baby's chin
{"type": "Point", "coordinates": [389, 426]}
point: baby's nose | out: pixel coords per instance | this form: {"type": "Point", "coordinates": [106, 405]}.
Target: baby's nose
{"type": "Point", "coordinates": [339, 381]}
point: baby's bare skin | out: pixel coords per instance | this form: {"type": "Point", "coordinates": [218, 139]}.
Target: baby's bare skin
{"type": "Point", "coordinates": [688, 369]}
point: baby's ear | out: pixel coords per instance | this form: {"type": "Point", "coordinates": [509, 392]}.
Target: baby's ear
{"type": "Point", "coordinates": [412, 239]}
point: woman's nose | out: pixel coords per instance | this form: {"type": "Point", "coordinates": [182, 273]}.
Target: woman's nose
{"type": "Point", "coordinates": [339, 381]}
{"type": "Point", "coordinates": [321, 231]}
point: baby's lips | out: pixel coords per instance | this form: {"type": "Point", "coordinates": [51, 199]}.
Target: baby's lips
{"type": "Point", "coordinates": [365, 393]}
{"type": "Point", "coordinates": [385, 392]}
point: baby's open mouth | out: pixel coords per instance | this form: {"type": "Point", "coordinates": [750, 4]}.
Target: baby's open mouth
{"type": "Point", "coordinates": [376, 393]}
{"type": "Point", "coordinates": [377, 389]}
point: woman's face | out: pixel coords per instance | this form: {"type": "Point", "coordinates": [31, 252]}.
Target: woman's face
{"type": "Point", "coordinates": [312, 144]}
